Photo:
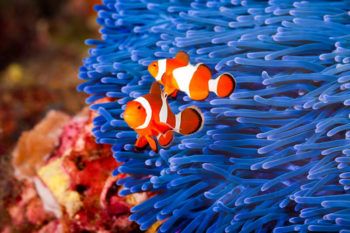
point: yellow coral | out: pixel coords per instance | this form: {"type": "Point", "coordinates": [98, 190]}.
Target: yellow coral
{"type": "Point", "coordinates": [136, 198]}
{"type": "Point", "coordinates": [58, 181]}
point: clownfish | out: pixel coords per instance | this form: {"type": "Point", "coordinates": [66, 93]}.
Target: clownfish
{"type": "Point", "coordinates": [195, 80]}
{"type": "Point", "coordinates": [151, 118]}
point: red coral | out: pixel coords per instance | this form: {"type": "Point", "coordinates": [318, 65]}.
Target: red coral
{"type": "Point", "coordinates": [88, 167]}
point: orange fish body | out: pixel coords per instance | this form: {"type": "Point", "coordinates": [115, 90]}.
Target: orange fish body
{"type": "Point", "coordinates": [151, 118]}
{"type": "Point", "coordinates": [177, 74]}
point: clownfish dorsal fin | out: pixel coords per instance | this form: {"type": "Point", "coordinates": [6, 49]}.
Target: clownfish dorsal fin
{"type": "Point", "coordinates": [155, 89]}
{"type": "Point", "coordinates": [182, 57]}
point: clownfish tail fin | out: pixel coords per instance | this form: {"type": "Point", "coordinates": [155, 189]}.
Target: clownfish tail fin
{"type": "Point", "coordinates": [189, 121]}
{"type": "Point", "coordinates": [223, 85]}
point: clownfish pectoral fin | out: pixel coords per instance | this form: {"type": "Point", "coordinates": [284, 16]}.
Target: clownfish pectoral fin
{"type": "Point", "coordinates": [155, 89]}
{"type": "Point", "coordinates": [174, 94]}
{"type": "Point", "coordinates": [152, 143]}
{"type": "Point", "coordinates": [140, 143]}
{"type": "Point", "coordinates": [189, 121]}
{"type": "Point", "coordinates": [169, 90]}
{"type": "Point", "coordinates": [165, 139]}
{"type": "Point", "coordinates": [223, 85]}
{"type": "Point", "coordinates": [182, 57]}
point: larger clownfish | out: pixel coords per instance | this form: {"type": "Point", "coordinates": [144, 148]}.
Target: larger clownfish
{"type": "Point", "coordinates": [151, 117]}
{"type": "Point", "coordinates": [177, 74]}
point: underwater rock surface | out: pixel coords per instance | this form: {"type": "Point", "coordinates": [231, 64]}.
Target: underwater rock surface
{"type": "Point", "coordinates": [273, 157]}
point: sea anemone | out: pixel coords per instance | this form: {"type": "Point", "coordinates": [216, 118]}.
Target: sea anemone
{"type": "Point", "coordinates": [273, 157]}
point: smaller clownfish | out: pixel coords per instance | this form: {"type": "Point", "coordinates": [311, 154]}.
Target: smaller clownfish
{"type": "Point", "coordinates": [195, 80]}
{"type": "Point", "coordinates": [151, 117]}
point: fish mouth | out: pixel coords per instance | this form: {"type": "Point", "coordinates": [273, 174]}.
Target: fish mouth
{"type": "Point", "coordinates": [127, 113]}
{"type": "Point", "coordinates": [127, 116]}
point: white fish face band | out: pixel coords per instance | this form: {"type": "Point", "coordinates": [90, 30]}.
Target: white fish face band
{"type": "Point", "coordinates": [148, 109]}
{"type": "Point", "coordinates": [161, 69]}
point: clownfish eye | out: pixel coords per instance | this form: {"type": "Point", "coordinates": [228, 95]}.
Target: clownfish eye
{"type": "Point", "coordinates": [139, 107]}
{"type": "Point", "coordinates": [154, 64]}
